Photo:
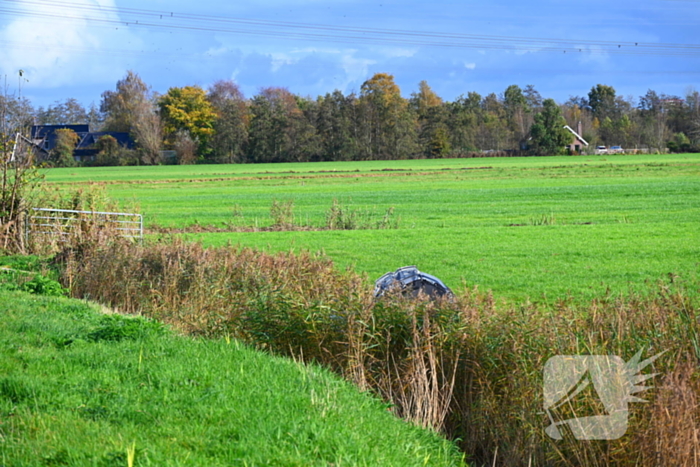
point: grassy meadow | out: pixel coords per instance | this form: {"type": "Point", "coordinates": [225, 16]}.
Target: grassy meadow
{"type": "Point", "coordinates": [82, 388]}
{"type": "Point", "coordinates": [526, 228]}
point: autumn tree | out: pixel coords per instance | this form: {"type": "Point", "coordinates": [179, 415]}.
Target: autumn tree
{"type": "Point", "coordinates": [388, 123]}
{"type": "Point", "coordinates": [230, 139]}
{"type": "Point", "coordinates": [125, 105]}
{"type": "Point", "coordinates": [188, 109]}
{"type": "Point", "coordinates": [433, 134]}
{"type": "Point", "coordinates": [148, 134]}
{"type": "Point", "coordinates": [185, 148]}
{"type": "Point", "coordinates": [279, 128]}
{"type": "Point", "coordinates": [548, 133]}
{"type": "Point", "coordinates": [130, 109]}
{"type": "Point", "coordinates": [62, 152]}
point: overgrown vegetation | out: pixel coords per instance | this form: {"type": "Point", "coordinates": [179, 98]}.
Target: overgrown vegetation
{"type": "Point", "coordinates": [19, 179]}
{"type": "Point", "coordinates": [79, 387]}
{"type": "Point", "coordinates": [31, 274]}
{"type": "Point", "coordinates": [469, 366]}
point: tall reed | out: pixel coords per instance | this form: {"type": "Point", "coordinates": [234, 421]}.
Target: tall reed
{"type": "Point", "coordinates": [468, 366]}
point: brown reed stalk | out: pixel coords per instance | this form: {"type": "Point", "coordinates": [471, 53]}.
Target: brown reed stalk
{"type": "Point", "coordinates": [471, 367]}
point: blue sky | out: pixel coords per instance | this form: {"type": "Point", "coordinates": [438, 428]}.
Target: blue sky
{"type": "Point", "coordinates": [80, 48]}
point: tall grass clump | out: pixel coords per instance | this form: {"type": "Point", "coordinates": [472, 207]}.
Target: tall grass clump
{"type": "Point", "coordinates": [469, 366]}
{"type": "Point", "coordinates": [343, 217]}
{"type": "Point", "coordinates": [282, 214]}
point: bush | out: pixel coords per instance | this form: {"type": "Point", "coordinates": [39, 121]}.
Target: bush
{"type": "Point", "coordinates": [41, 285]}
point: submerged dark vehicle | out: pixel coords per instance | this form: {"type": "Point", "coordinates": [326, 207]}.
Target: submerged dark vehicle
{"type": "Point", "coordinates": [411, 282]}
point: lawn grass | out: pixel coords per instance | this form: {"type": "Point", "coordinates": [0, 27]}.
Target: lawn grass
{"type": "Point", "coordinates": [537, 228]}
{"type": "Point", "coordinates": [81, 388]}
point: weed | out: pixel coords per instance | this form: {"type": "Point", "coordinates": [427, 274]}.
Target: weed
{"type": "Point", "coordinates": [342, 217]}
{"type": "Point", "coordinates": [625, 219]}
{"type": "Point", "coordinates": [116, 328]}
{"type": "Point", "coordinates": [41, 285]}
{"type": "Point", "coordinates": [544, 219]}
{"type": "Point", "coordinates": [282, 214]}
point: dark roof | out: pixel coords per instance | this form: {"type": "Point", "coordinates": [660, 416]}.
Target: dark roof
{"type": "Point", "coordinates": [42, 131]}
{"type": "Point", "coordinates": [123, 139]}
{"type": "Point", "coordinates": [44, 137]}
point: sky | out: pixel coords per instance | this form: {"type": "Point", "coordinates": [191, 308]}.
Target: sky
{"type": "Point", "coordinates": [81, 48]}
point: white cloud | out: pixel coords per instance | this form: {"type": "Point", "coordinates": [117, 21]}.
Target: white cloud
{"type": "Point", "coordinates": [356, 69]}
{"type": "Point", "coordinates": [281, 59]}
{"type": "Point", "coordinates": [217, 51]}
{"type": "Point", "coordinates": [397, 52]}
{"type": "Point", "coordinates": [470, 66]}
{"type": "Point", "coordinates": [65, 49]}
{"type": "Point", "coordinates": [314, 50]}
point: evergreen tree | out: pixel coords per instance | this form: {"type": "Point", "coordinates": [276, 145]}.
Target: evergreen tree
{"type": "Point", "coordinates": [548, 133]}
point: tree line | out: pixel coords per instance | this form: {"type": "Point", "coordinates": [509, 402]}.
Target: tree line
{"type": "Point", "coordinates": [220, 124]}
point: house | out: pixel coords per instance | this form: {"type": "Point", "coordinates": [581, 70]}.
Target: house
{"type": "Point", "coordinates": [578, 143]}
{"type": "Point", "coordinates": [43, 137]}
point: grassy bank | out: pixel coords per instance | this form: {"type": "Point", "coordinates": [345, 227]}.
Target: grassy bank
{"type": "Point", "coordinates": [533, 228]}
{"type": "Point", "coordinates": [81, 388]}
{"type": "Point", "coordinates": [471, 366]}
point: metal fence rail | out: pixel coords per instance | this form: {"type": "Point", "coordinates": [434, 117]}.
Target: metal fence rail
{"type": "Point", "coordinates": [64, 223]}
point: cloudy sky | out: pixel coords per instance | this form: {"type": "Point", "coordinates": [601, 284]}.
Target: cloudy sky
{"type": "Point", "coordinates": [80, 48]}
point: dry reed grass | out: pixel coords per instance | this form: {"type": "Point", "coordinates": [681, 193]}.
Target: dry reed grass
{"type": "Point", "coordinates": [469, 366]}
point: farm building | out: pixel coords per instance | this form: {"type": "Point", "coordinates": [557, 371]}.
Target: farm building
{"type": "Point", "coordinates": [43, 137]}
{"type": "Point", "coordinates": [578, 144]}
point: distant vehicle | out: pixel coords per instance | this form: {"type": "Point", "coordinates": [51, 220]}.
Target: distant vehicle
{"type": "Point", "coordinates": [616, 150]}
{"type": "Point", "coordinates": [601, 150]}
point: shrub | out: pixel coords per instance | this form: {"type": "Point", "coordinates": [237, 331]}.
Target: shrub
{"type": "Point", "coordinates": [41, 285]}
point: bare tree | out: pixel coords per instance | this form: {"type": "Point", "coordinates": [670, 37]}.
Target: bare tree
{"type": "Point", "coordinates": [148, 133]}
{"type": "Point", "coordinates": [230, 139]}
{"type": "Point", "coordinates": [130, 108]}
{"type": "Point", "coordinates": [19, 179]}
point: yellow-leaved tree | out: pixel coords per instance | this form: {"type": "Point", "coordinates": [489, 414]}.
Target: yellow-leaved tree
{"type": "Point", "coordinates": [186, 112]}
{"type": "Point", "coordinates": [389, 123]}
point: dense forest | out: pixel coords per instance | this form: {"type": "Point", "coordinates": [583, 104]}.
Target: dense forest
{"type": "Point", "coordinates": [219, 124]}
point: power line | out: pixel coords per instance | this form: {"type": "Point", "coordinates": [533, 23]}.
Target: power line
{"type": "Point", "coordinates": [339, 34]}
{"type": "Point", "coordinates": [108, 53]}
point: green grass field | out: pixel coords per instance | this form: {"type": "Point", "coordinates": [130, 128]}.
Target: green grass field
{"type": "Point", "coordinates": [523, 227]}
{"type": "Point", "coordinates": [81, 388]}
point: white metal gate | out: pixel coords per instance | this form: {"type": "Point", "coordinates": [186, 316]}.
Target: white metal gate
{"type": "Point", "coordinates": [66, 223]}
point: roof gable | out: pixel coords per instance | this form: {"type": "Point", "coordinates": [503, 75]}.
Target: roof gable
{"type": "Point", "coordinates": [579, 137]}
